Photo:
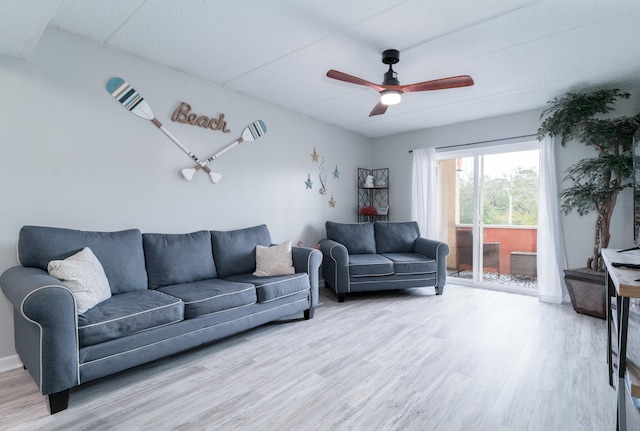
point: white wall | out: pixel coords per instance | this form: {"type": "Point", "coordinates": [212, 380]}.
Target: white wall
{"type": "Point", "coordinates": [72, 156]}
{"type": "Point", "coordinates": [393, 151]}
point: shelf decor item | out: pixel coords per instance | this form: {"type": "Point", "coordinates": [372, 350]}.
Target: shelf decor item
{"type": "Point", "coordinates": [373, 192]}
{"type": "Point", "coordinates": [383, 210]}
{"type": "Point", "coordinates": [369, 210]}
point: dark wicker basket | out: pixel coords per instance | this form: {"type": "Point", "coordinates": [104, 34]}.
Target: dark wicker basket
{"type": "Point", "coordinates": [587, 291]}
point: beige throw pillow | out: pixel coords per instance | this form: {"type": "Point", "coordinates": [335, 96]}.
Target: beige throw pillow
{"type": "Point", "coordinates": [274, 260]}
{"type": "Point", "coordinates": [83, 274]}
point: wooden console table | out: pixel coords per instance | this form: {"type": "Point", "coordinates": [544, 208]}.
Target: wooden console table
{"type": "Point", "coordinates": [622, 284]}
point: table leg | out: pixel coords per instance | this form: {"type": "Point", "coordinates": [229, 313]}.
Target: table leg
{"type": "Point", "coordinates": [609, 292]}
{"type": "Point", "coordinates": [623, 322]}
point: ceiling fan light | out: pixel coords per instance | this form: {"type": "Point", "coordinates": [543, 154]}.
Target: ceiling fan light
{"type": "Point", "coordinates": [390, 97]}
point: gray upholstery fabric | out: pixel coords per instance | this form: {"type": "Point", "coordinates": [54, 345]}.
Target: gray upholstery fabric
{"type": "Point", "coordinates": [335, 265]}
{"type": "Point", "coordinates": [357, 237]}
{"type": "Point", "coordinates": [116, 355]}
{"type": "Point", "coordinates": [439, 251]}
{"type": "Point", "coordinates": [210, 296]}
{"type": "Point", "coordinates": [365, 265]}
{"type": "Point", "coordinates": [120, 253]}
{"type": "Point", "coordinates": [234, 251]}
{"type": "Point", "coordinates": [44, 321]}
{"type": "Point", "coordinates": [128, 313]}
{"type": "Point", "coordinates": [277, 286]}
{"type": "Point", "coordinates": [404, 259]}
{"type": "Point", "coordinates": [308, 260]}
{"type": "Point", "coordinates": [396, 237]}
{"type": "Point", "coordinates": [178, 258]}
{"type": "Point", "coordinates": [395, 281]}
{"type": "Point", "coordinates": [135, 327]}
{"type": "Point", "coordinates": [411, 263]}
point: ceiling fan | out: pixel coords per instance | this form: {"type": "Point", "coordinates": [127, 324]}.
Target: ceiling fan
{"type": "Point", "coordinates": [391, 91]}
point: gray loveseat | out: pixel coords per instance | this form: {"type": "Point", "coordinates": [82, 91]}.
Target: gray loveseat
{"type": "Point", "coordinates": [169, 293]}
{"type": "Point", "coordinates": [381, 256]}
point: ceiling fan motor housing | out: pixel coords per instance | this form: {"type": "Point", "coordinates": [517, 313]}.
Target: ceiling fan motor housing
{"type": "Point", "coordinates": [390, 57]}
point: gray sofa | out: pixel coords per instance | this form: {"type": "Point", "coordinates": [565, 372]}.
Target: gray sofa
{"type": "Point", "coordinates": [362, 257]}
{"type": "Point", "coordinates": [169, 293]}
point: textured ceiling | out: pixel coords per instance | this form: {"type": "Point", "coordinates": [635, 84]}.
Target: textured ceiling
{"type": "Point", "coordinates": [520, 53]}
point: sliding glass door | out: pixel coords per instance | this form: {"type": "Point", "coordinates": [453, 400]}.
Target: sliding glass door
{"type": "Point", "coordinates": [490, 196]}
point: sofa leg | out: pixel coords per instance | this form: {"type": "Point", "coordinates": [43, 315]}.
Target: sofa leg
{"type": "Point", "coordinates": [439, 290]}
{"type": "Point", "coordinates": [308, 313]}
{"type": "Point", "coordinates": [58, 401]}
{"type": "Point", "coordinates": [341, 297]}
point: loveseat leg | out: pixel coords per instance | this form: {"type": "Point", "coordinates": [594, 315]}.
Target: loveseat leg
{"type": "Point", "coordinates": [439, 290]}
{"type": "Point", "coordinates": [308, 313]}
{"type": "Point", "coordinates": [340, 297]}
{"type": "Point", "coordinates": [58, 401]}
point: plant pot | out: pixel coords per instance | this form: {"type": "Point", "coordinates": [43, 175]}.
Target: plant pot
{"type": "Point", "coordinates": [587, 291]}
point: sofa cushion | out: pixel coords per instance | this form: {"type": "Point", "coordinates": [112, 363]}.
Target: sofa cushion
{"type": "Point", "coordinates": [120, 253]}
{"type": "Point", "coordinates": [396, 237]}
{"type": "Point", "coordinates": [367, 265]}
{"type": "Point", "coordinates": [274, 260]}
{"type": "Point", "coordinates": [178, 258]}
{"type": "Point", "coordinates": [279, 286]}
{"type": "Point", "coordinates": [209, 296]}
{"type": "Point", "coordinates": [127, 313]}
{"type": "Point", "coordinates": [411, 263]}
{"type": "Point", "coordinates": [357, 237]}
{"type": "Point", "coordinates": [234, 251]}
{"type": "Point", "coordinates": [83, 274]}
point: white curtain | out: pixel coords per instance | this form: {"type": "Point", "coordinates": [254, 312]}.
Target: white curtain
{"type": "Point", "coordinates": [552, 259]}
{"type": "Point", "coordinates": [424, 192]}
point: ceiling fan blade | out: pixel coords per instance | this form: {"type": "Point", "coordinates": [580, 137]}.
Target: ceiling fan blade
{"type": "Point", "coordinates": [439, 84]}
{"type": "Point", "coordinates": [341, 76]}
{"type": "Point", "coordinates": [379, 109]}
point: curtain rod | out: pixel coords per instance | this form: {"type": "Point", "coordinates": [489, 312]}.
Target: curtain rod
{"type": "Point", "coordinates": [484, 142]}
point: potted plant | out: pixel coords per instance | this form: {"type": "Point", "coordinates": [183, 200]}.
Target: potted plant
{"type": "Point", "coordinates": [594, 181]}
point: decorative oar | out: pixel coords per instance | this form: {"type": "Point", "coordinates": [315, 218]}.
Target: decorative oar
{"type": "Point", "coordinates": [252, 132]}
{"type": "Point", "coordinates": [135, 103]}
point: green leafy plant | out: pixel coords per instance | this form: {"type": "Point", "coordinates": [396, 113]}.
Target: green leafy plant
{"type": "Point", "coordinates": [595, 181]}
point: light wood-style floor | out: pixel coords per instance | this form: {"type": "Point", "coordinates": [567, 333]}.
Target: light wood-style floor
{"type": "Point", "coordinates": [407, 360]}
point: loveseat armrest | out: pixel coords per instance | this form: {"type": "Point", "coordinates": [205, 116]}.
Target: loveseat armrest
{"type": "Point", "coordinates": [308, 260]}
{"type": "Point", "coordinates": [335, 266]}
{"type": "Point", "coordinates": [45, 321]}
{"type": "Point", "coordinates": [439, 251]}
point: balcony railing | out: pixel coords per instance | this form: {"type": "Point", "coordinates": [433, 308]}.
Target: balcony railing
{"type": "Point", "coordinates": [507, 251]}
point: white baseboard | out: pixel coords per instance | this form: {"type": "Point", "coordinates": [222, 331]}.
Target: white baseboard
{"type": "Point", "coordinates": [9, 363]}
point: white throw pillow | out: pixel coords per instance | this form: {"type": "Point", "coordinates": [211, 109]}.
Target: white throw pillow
{"type": "Point", "coordinates": [274, 260]}
{"type": "Point", "coordinates": [84, 275]}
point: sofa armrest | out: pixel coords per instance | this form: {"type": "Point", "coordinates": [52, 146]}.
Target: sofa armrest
{"type": "Point", "coordinates": [45, 320]}
{"type": "Point", "coordinates": [308, 260]}
{"type": "Point", "coordinates": [439, 251]}
{"type": "Point", "coordinates": [335, 266]}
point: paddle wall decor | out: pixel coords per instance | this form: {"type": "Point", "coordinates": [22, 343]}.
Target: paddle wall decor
{"type": "Point", "coordinates": [135, 103]}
